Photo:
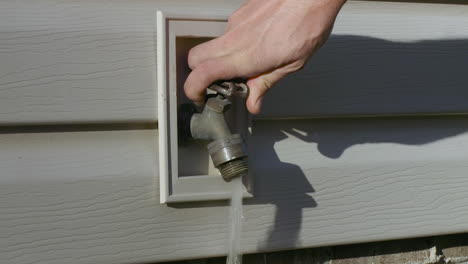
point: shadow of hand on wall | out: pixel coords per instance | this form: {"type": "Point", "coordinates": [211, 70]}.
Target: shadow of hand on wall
{"type": "Point", "coordinates": [361, 75]}
{"type": "Point", "coordinates": [288, 187]}
{"type": "Point", "coordinates": [334, 136]}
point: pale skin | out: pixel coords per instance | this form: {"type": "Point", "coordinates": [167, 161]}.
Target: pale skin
{"type": "Point", "coordinates": [265, 40]}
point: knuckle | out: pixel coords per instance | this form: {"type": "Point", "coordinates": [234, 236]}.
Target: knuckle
{"type": "Point", "coordinates": [233, 18]}
{"type": "Point", "coordinates": [202, 74]}
{"type": "Point", "coordinates": [187, 89]}
{"type": "Point", "coordinates": [202, 69]}
{"type": "Point", "coordinates": [192, 58]}
{"type": "Point", "coordinates": [230, 21]}
{"type": "Point", "coordinates": [190, 95]}
{"type": "Point", "coordinates": [192, 86]}
{"type": "Point", "coordinates": [222, 43]}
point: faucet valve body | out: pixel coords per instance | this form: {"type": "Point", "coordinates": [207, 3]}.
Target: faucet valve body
{"type": "Point", "coordinates": [227, 150]}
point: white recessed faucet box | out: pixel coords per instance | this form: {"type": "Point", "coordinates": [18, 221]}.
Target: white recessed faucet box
{"type": "Point", "coordinates": [186, 171]}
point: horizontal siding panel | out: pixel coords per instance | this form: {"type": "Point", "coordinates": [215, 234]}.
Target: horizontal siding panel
{"type": "Point", "coordinates": [92, 197]}
{"type": "Point", "coordinates": [80, 61]}
{"type": "Point", "coordinates": [94, 62]}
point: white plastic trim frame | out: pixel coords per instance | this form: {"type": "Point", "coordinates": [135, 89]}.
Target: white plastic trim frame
{"type": "Point", "coordinates": [172, 187]}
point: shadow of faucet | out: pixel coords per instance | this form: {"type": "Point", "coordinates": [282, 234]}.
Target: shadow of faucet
{"type": "Point", "coordinates": [282, 184]}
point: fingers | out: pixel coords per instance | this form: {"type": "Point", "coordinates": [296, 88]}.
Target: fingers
{"type": "Point", "coordinates": [209, 71]}
{"type": "Point", "coordinates": [259, 86]}
{"type": "Point", "coordinates": [211, 49]}
{"type": "Point", "coordinates": [225, 68]}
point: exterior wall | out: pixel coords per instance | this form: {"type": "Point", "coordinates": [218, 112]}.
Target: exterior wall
{"type": "Point", "coordinates": [78, 136]}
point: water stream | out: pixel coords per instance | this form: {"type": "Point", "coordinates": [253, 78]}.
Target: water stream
{"type": "Point", "coordinates": [235, 223]}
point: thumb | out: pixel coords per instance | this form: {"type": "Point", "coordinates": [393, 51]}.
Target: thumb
{"type": "Point", "coordinates": [259, 86]}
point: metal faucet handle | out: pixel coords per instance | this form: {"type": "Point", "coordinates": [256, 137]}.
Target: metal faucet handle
{"type": "Point", "coordinates": [229, 89]}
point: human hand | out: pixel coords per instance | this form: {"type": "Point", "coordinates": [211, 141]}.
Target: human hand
{"type": "Point", "coordinates": [264, 41]}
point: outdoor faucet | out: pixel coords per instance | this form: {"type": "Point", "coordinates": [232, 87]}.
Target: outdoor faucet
{"type": "Point", "coordinates": [227, 150]}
